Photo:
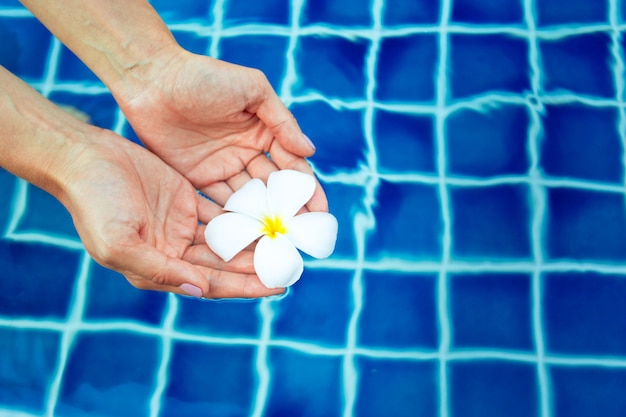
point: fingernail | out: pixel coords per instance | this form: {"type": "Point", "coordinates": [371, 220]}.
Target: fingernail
{"type": "Point", "coordinates": [191, 290]}
{"type": "Point", "coordinates": [308, 141]}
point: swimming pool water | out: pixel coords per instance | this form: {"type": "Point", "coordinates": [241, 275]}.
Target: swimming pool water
{"type": "Point", "coordinates": [474, 154]}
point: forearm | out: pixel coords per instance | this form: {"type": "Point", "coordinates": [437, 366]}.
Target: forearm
{"type": "Point", "coordinates": [121, 41]}
{"type": "Point", "coordinates": [37, 139]}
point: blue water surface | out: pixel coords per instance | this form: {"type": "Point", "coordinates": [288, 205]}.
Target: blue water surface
{"type": "Point", "coordinates": [473, 152]}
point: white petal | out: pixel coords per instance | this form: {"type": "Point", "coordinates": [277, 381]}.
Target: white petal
{"type": "Point", "coordinates": [277, 262]}
{"type": "Point", "coordinates": [229, 233]}
{"type": "Point", "coordinates": [288, 191]}
{"type": "Point", "coordinates": [313, 233]}
{"type": "Point", "coordinates": [251, 199]}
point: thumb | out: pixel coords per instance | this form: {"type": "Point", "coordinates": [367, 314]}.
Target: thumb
{"type": "Point", "coordinates": [284, 126]}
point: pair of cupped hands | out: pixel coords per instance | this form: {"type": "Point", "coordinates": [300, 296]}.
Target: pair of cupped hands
{"type": "Point", "coordinates": [207, 126]}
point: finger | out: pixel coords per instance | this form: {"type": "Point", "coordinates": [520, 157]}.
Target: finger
{"type": "Point", "coordinates": [202, 255]}
{"type": "Point", "coordinates": [261, 167]}
{"type": "Point", "coordinates": [198, 237]}
{"type": "Point", "coordinates": [318, 201]}
{"type": "Point", "coordinates": [207, 209]}
{"type": "Point", "coordinates": [146, 285]}
{"type": "Point", "coordinates": [283, 125]}
{"type": "Point", "coordinates": [139, 262]}
{"type": "Point", "coordinates": [286, 160]}
{"type": "Point", "coordinates": [226, 284]}
{"type": "Point", "coordinates": [218, 192]}
{"type": "Point", "coordinates": [239, 180]}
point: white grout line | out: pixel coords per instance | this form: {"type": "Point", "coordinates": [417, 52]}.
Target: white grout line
{"type": "Point", "coordinates": [352, 33]}
{"type": "Point", "coordinates": [68, 333]}
{"type": "Point", "coordinates": [51, 68]}
{"type": "Point", "coordinates": [263, 370]}
{"type": "Point", "coordinates": [165, 335]}
{"type": "Point", "coordinates": [18, 207]}
{"type": "Point", "coordinates": [217, 12]}
{"type": "Point", "coordinates": [314, 349]}
{"type": "Point", "coordinates": [443, 307]}
{"type": "Point", "coordinates": [538, 199]}
{"type": "Point", "coordinates": [364, 222]}
{"type": "Point", "coordinates": [618, 77]}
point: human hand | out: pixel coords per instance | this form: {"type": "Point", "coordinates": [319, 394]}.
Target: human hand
{"type": "Point", "coordinates": [216, 123]}
{"type": "Point", "coordinates": [137, 216]}
{"type": "Point", "coordinates": [133, 212]}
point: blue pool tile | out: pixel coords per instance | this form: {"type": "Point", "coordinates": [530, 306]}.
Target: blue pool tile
{"type": "Point", "coordinates": [8, 183]}
{"type": "Point", "coordinates": [580, 313]}
{"type": "Point", "coordinates": [253, 11]}
{"type": "Point", "coordinates": [305, 316]}
{"type": "Point", "coordinates": [408, 222]}
{"type": "Point", "coordinates": [130, 303]}
{"type": "Point", "coordinates": [399, 311]}
{"type": "Point", "coordinates": [24, 47]}
{"type": "Point", "coordinates": [9, 48]}
{"type": "Point", "coordinates": [266, 53]}
{"type": "Point", "coordinates": [567, 68]}
{"type": "Point", "coordinates": [491, 311]}
{"type": "Point", "coordinates": [404, 143]}
{"type": "Point", "coordinates": [10, 4]}
{"type": "Point", "coordinates": [406, 69]}
{"type": "Point", "coordinates": [489, 143]}
{"type": "Point", "coordinates": [582, 392]}
{"type": "Point", "coordinates": [492, 388]}
{"type": "Point", "coordinates": [583, 143]}
{"type": "Point", "coordinates": [129, 133]}
{"type": "Point", "coordinates": [210, 378]}
{"type": "Point", "coordinates": [404, 13]}
{"type": "Point", "coordinates": [72, 69]}
{"type": "Point", "coordinates": [491, 222]}
{"type": "Point", "coordinates": [331, 66]}
{"type": "Point", "coordinates": [482, 12]}
{"type": "Point", "coordinates": [28, 361]}
{"type": "Point", "coordinates": [183, 10]}
{"type": "Point", "coordinates": [44, 214]}
{"type": "Point", "coordinates": [338, 135]}
{"type": "Point", "coordinates": [348, 13]}
{"type": "Point", "coordinates": [553, 12]}
{"type": "Point", "coordinates": [193, 42]}
{"type": "Point", "coordinates": [481, 64]}
{"type": "Point", "coordinates": [26, 268]}
{"type": "Point", "coordinates": [585, 225]}
{"type": "Point", "coordinates": [303, 385]}
{"type": "Point", "coordinates": [345, 202]}
{"type": "Point", "coordinates": [218, 318]}
{"type": "Point", "coordinates": [101, 108]}
{"type": "Point", "coordinates": [112, 372]}
{"type": "Point", "coordinates": [396, 388]}
{"type": "Point", "coordinates": [622, 52]}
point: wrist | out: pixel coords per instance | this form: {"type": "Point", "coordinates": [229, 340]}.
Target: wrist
{"type": "Point", "coordinates": [38, 140]}
{"type": "Point", "coordinates": [121, 41]}
{"type": "Point", "coordinates": [139, 70]}
{"type": "Point", "coordinates": [128, 54]}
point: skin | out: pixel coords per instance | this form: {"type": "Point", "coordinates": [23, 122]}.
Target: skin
{"type": "Point", "coordinates": [212, 121]}
{"type": "Point", "coordinates": [208, 124]}
{"type": "Point", "coordinates": [134, 213]}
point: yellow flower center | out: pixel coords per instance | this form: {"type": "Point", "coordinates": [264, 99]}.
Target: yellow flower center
{"type": "Point", "coordinates": [272, 226]}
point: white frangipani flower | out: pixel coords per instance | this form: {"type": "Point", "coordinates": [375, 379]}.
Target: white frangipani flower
{"type": "Point", "coordinates": [270, 213]}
